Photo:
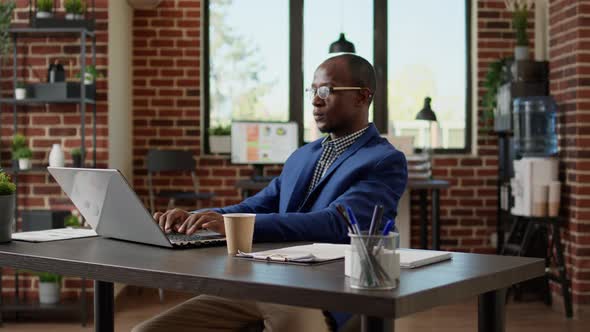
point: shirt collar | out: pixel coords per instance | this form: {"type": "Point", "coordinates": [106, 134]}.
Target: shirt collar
{"type": "Point", "coordinates": [342, 143]}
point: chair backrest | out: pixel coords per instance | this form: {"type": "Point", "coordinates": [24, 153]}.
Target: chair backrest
{"type": "Point", "coordinates": [170, 160]}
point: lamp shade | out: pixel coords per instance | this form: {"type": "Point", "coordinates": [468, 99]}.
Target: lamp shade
{"type": "Point", "coordinates": [342, 45]}
{"type": "Point", "coordinates": [426, 113]}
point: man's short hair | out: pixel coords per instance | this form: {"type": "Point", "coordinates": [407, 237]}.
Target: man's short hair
{"type": "Point", "coordinates": [361, 71]}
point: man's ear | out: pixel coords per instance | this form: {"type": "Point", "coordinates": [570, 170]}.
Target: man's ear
{"type": "Point", "coordinates": [364, 97]}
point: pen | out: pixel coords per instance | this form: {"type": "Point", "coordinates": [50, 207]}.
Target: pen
{"type": "Point", "coordinates": [388, 226]}
{"type": "Point", "coordinates": [353, 221]}
{"type": "Point", "coordinates": [342, 213]}
{"type": "Point", "coordinates": [376, 219]}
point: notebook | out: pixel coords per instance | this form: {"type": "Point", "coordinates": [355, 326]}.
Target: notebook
{"type": "Point", "coordinates": [412, 258]}
{"type": "Point", "coordinates": [316, 253]}
{"type": "Point", "coordinates": [54, 234]}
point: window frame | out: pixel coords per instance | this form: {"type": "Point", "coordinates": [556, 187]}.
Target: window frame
{"type": "Point", "coordinates": [296, 99]}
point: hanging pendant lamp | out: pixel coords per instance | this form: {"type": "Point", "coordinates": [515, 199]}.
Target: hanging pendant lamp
{"type": "Point", "coordinates": [342, 45]}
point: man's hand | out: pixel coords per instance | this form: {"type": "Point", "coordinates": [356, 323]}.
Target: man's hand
{"type": "Point", "coordinates": [184, 222]}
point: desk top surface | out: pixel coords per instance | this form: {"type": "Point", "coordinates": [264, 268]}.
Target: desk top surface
{"type": "Point", "coordinates": [412, 184]}
{"type": "Point", "coordinates": [211, 271]}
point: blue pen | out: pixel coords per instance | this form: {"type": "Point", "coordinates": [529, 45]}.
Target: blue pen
{"type": "Point", "coordinates": [388, 226]}
{"type": "Point", "coordinates": [355, 225]}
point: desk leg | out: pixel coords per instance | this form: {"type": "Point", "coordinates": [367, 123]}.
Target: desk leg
{"type": "Point", "coordinates": [423, 219]}
{"type": "Point", "coordinates": [491, 311]}
{"type": "Point", "coordinates": [378, 324]}
{"type": "Point", "coordinates": [435, 219]}
{"type": "Point", "coordinates": [104, 314]}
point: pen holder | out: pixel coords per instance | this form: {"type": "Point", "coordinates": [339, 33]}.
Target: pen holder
{"type": "Point", "coordinates": [371, 262]}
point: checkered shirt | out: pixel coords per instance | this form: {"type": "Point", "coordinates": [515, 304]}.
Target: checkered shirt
{"type": "Point", "coordinates": [332, 149]}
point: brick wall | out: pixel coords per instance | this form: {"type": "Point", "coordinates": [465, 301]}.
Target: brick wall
{"type": "Point", "coordinates": [48, 124]}
{"type": "Point", "coordinates": [570, 85]}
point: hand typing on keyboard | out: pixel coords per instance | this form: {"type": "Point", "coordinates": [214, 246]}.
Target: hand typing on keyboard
{"type": "Point", "coordinates": [184, 222]}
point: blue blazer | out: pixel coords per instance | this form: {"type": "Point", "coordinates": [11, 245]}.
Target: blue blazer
{"type": "Point", "coordinates": [371, 171]}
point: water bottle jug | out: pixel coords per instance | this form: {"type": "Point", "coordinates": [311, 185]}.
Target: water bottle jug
{"type": "Point", "coordinates": [534, 126]}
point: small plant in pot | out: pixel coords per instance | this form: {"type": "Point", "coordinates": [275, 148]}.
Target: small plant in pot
{"type": "Point", "coordinates": [21, 152]}
{"type": "Point", "coordinates": [520, 13]}
{"type": "Point", "coordinates": [7, 190]}
{"type": "Point", "coordinates": [6, 13]}
{"type": "Point", "coordinates": [90, 75]}
{"type": "Point", "coordinates": [220, 139]}
{"type": "Point", "coordinates": [49, 287]}
{"type": "Point", "coordinates": [20, 91]}
{"type": "Point", "coordinates": [44, 8]}
{"type": "Point", "coordinates": [76, 157]}
{"type": "Point", "coordinates": [74, 9]}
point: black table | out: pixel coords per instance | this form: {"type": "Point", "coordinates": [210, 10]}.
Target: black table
{"type": "Point", "coordinates": [211, 271]}
{"type": "Point", "coordinates": [247, 187]}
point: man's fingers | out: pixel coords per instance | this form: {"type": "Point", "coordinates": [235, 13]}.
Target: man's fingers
{"type": "Point", "coordinates": [157, 216]}
{"type": "Point", "coordinates": [188, 222]}
{"type": "Point", "coordinates": [172, 217]}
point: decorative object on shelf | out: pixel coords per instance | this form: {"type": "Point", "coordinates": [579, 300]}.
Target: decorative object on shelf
{"type": "Point", "coordinates": [428, 115]}
{"type": "Point", "coordinates": [520, 12]}
{"type": "Point", "coordinates": [56, 156]}
{"type": "Point", "coordinates": [494, 79]}
{"type": "Point", "coordinates": [76, 158]}
{"type": "Point", "coordinates": [21, 152]}
{"type": "Point", "coordinates": [44, 9]}
{"type": "Point", "coordinates": [78, 14]}
{"type": "Point", "coordinates": [6, 10]}
{"type": "Point", "coordinates": [220, 139]}
{"type": "Point", "coordinates": [7, 197]}
{"type": "Point", "coordinates": [49, 287]}
{"type": "Point", "coordinates": [90, 75]}
{"type": "Point", "coordinates": [56, 72]}
{"type": "Point", "coordinates": [20, 91]}
{"type": "Point", "coordinates": [75, 9]}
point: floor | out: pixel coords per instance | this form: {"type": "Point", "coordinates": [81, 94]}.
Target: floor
{"type": "Point", "coordinates": [521, 317]}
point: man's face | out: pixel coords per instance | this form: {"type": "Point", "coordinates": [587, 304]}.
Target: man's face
{"type": "Point", "coordinates": [338, 112]}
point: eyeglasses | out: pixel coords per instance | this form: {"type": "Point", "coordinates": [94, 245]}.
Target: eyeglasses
{"type": "Point", "coordinates": [324, 91]}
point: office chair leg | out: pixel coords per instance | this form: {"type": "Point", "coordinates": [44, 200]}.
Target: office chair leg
{"type": "Point", "coordinates": [161, 294]}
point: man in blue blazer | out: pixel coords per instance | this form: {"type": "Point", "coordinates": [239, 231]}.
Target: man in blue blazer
{"type": "Point", "coordinates": [352, 166]}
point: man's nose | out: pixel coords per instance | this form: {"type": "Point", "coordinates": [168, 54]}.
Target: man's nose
{"type": "Point", "coordinates": [317, 101]}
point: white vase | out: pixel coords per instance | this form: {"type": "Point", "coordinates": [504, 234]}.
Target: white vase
{"type": "Point", "coordinates": [56, 156]}
{"type": "Point", "coordinates": [49, 292]}
{"type": "Point", "coordinates": [20, 93]}
{"type": "Point", "coordinates": [72, 16]}
{"type": "Point", "coordinates": [521, 53]}
{"type": "Point", "coordinates": [220, 144]}
{"type": "Point", "coordinates": [24, 163]}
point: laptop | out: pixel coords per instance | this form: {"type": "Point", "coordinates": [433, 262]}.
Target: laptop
{"type": "Point", "coordinates": [111, 207]}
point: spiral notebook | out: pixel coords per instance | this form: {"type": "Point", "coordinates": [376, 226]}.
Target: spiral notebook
{"type": "Point", "coordinates": [311, 254]}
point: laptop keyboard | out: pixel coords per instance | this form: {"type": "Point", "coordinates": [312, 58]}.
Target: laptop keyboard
{"type": "Point", "coordinates": [200, 238]}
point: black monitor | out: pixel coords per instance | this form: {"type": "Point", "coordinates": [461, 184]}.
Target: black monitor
{"type": "Point", "coordinates": [262, 143]}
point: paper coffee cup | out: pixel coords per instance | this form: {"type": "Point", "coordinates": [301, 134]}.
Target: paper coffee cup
{"type": "Point", "coordinates": [540, 200]}
{"type": "Point", "coordinates": [239, 230]}
{"type": "Point", "coordinates": [554, 198]}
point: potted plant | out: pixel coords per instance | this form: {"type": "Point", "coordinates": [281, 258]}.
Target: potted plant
{"type": "Point", "coordinates": [49, 287]}
{"type": "Point", "coordinates": [219, 139]}
{"type": "Point", "coordinates": [7, 190]}
{"type": "Point", "coordinates": [21, 152]}
{"type": "Point", "coordinates": [520, 12]}
{"type": "Point", "coordinates": [20, 91]}
{"type": "Point", "coordinates": [76, 157]}
{"type": "Point", "coordinates": [73, 220]}
{"type": "Point", "coordinates": [74, 9]}
{"type": "Point", "coordinates": [44, 8]}
{"type": "Point", "coordinates": [90, 75]}
{"type": "Point", "coordinates": [6, 10]}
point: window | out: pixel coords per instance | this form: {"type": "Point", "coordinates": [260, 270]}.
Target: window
{"type": "Point", "coordinates": [352, 17]}
{"type": "Point", "coordinates": [260, 54]}
{"type": "Point", "coordinates": [427, 57]}
{"type": "Point", "coordinates": [248, 62]}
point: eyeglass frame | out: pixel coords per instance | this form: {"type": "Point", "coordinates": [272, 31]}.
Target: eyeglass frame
{"type": "Point", "coordinates": [332, 89]}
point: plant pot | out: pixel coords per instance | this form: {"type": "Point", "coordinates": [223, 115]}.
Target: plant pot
{"type": "Point", "coordinates": [6, 217]}
{"type": "Point", "coordinates": [24, 164]}
{"type": "Point", "coordinates": [56, 156]}
{"type": "Point", "coordinates": [49, 292]}
{"type": "Point", "coordinates": [521, 53]}
{"type": "Point", "coordinates": [20, 93]}
{"type": "Point", "coordinates": [220, 144]}
{"type": "Point", "coordinates": [43, 15]}
{"type": "Point", "coordinates": [72, 16]}
{"type": "Point", "coordinates": [77, 161]}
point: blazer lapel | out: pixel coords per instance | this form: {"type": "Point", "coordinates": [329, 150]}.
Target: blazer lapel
{"type": "Point", "coordinates": [360, 142]}
{"type": "Point", "coordinates": [304, 179]}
